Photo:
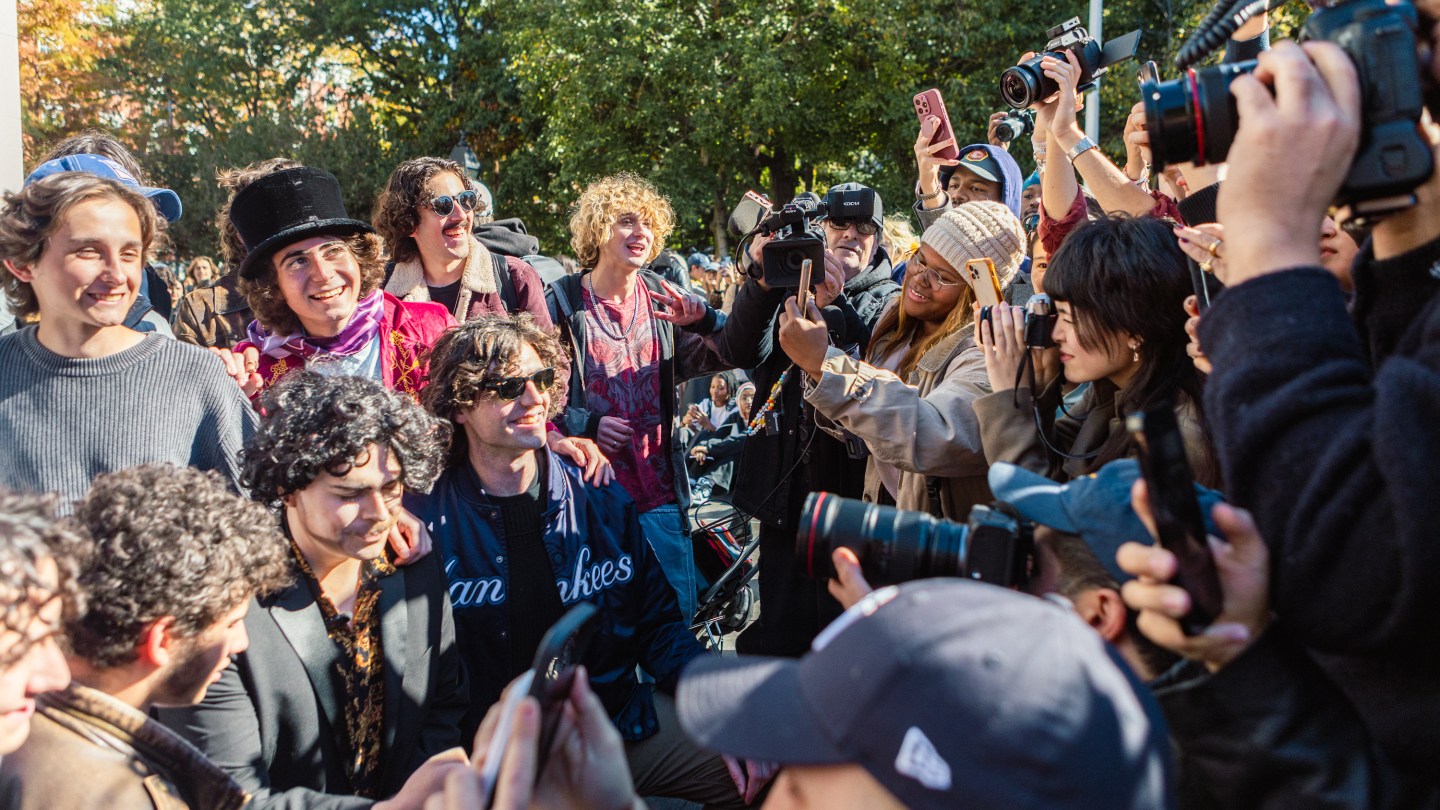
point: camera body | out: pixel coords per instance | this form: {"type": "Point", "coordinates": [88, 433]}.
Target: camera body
{"type": "Point", "coordinates": [1015, 125]}
{"type": "Point", "coordinates": [895, 545]}
{"type": "Point", "coordinates": [1194, 118]}
{"type": "Point", "coordinates": [1040, 318]}
{"type": "Point", "coordinates": [1026, 83]}
{"type": "Point", "coordinates": [798, 235]}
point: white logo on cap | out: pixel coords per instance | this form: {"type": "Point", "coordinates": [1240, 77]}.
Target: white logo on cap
{"type": "Point", "coordinates": [919, 760]}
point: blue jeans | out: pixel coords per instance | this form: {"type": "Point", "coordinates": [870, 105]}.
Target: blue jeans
{"type": "Point", "coordinates": [676, 556]}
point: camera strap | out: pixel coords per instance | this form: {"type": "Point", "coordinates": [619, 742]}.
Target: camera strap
{"type": "Point", "coordinates": [1026, 364]}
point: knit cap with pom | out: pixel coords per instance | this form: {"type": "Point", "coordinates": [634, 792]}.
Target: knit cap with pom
{"type": "Point", "coordinates": [979, 230]}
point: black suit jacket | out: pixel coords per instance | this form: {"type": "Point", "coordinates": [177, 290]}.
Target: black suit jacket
{"type": "Point", "coordinates": [275, 719]}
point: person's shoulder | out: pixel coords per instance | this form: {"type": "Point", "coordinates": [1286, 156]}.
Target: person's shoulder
{"type": "Point", "coordinates": [424, 319]}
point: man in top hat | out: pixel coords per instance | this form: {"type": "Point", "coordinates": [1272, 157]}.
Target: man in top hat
{"type": "Point", "coordinates": [312, 275]}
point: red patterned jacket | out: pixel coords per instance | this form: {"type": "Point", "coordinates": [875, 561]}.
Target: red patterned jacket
{"type": "Point", "coordinates": [408, 330]}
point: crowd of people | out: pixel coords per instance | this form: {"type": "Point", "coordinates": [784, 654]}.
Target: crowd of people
{"type": "Point", "coordinates": [294, 538]}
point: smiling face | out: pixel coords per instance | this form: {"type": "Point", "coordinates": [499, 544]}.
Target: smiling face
{"type": "Point", "coordinates": [628, 247]}
{"type": "Point", "coordinates": [933, 287]}
{"type": "Point", "coordinates": [90, 272]}
{"type": "Point", "coordinates": [719, 390]}
{"type": "Point", "coordinates": [30, 660]}
{"type": "Point", "coordinates": [1098, 361]}
{"type": "Point", "coordinates": [201, 660]}
{"type": "Point", "coordinates": [340, 517]}
{"type": "Point", "coordinates": [966, 186]}
{"type": "Point", "coordinates": [319, 278]}
{"type": "Point", "coordinates": [443, 240]}
{"type": "Point", "coordinates": [508, 430]}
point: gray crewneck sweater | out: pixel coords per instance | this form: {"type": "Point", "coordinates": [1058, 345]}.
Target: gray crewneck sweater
{"type": "Point", "coordinates": [64, 420]}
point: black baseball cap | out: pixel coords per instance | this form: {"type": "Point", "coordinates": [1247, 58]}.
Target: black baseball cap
{"type": "Point", "coordinates": [950, 693]}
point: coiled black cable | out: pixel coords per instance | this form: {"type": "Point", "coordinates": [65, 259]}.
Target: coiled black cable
{"type": "Point", "coordinates": [1222, 21]}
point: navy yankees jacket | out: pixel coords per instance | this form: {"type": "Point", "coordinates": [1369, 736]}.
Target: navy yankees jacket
{"type": "Point", "coordinates": [598, 554]}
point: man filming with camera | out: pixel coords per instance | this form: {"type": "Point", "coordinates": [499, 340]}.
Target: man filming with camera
{"type": "Point", "coordinates": [786, 456]}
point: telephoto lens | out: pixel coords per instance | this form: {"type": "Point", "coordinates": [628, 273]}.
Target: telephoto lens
{"type": "Point", "coordinates": [898, 545]}
{"type": "Point", "coordinates": [1192, 119]}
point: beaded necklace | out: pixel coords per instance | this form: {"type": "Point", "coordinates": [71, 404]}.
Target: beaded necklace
{"type": "Point", "coordinates": [759, 420]}
{"type": "Point", "coordinates": [602, 318]}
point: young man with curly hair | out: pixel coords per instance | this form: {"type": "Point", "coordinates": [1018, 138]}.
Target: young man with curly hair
{"type": "Point", "coordinates": [523, 537]}
{"type": "Point", "coordinates": [352, 689]}
{"type": "Point", "coordinates": [425, 215]}
{"type": "Point", "coordinates": [37, 591]}
{"type": "Point", "coordinates": [619, 323]}
{"type": "Point", "coordinates": [81, 393]}
{"type": "Point", "coordinates": [173, 563]}
{"type": "Point", "coordinates": [312, 276]}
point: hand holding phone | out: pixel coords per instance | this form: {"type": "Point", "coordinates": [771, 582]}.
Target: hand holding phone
{"type": "Point", "coordinates": [981, 275]}
{"type": "Point", "coordinates": [930, 103]}
{"type": "Point", "coordinates": [802, 296]}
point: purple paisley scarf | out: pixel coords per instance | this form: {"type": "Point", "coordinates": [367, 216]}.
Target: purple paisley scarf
{"type": "Point", "coordinates": [357, 334]}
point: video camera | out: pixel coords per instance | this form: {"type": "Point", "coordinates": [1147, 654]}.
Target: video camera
{"type": "Point", "coordinates": [1194, 118]}
{"type": "Point", "coordinates": [896, 545]}
{"type": "Point", "coordinates": [1026, 83]}
{"type": "Point", "coordinates": [798, 235]}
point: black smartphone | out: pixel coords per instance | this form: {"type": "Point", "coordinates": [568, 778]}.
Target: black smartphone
{"type": "Point", "coordinates": [1178, 521]}
{"type": "Point", "coordinates": [561, 651]}
{"type": "Point", "coordinates": [548, 681]}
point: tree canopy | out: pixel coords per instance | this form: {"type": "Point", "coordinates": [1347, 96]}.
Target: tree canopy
{"type": "Point", "coordinates": [706, 99]}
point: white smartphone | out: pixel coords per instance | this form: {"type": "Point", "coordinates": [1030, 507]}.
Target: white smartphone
{"type": "Point", "coordinates": [490, 771]}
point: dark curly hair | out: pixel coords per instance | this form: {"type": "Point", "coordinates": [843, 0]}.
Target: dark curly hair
{"type": "Point", "coordinates": [397, 209]}
{"type": "Point", "coordinates": [263, 294]}
{"type": "Point", "coordinates": [30, 533]}
{"type": "Point", "coordinates": [33, 214]}
{"type": "Point", "coordinates": [169, 541]}
{"type": "Point", "coordinates": [318, 424]}
{"type": "Point", "coordinates": [483, 349]}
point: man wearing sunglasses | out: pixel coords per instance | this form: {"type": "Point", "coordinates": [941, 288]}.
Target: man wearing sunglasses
{"type": "Point", "coordinates": [523, 537]}
{"type": "Point", "coordinates": [787, 456]}
{"type": "Point", "coordinates": [426, 215]}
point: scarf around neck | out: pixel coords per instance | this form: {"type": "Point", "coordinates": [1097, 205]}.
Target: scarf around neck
{"type": "Point", "coordinates": [363, 326]}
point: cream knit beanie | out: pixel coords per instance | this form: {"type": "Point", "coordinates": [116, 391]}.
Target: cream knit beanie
{"type": "Point", "coordinates": [979, 230]}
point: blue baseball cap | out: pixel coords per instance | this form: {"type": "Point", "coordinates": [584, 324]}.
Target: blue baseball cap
{"type": "Point", "coordinates": [1095, 507]}
{"type": "Point", "coordinates": [166, 201]}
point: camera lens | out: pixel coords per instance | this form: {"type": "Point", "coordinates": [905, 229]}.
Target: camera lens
{"type": "Point", "coordinates": [1009, 129]}
{"type": "Point", "coordinates": [1024, 84]}
{"type": "Point", "coordinates": [893, 545]}
{"type": "Point", "coordinates": [1192, 119]}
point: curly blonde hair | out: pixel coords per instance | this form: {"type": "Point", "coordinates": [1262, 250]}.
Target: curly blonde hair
{"type": "Point", "coordinates": [608, 199]}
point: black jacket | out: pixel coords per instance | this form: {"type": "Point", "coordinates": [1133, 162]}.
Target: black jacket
{"type": "Point", "coordinates": [683, 355]}
{"type": "Point", "coordinates": [771, 463]}
{"type": "Point", "coordinates": [1269, 730]}
{"type": "Point", "coordinates": [275, 718]}
{"type": "Point", "coordinates": [1336, 456]}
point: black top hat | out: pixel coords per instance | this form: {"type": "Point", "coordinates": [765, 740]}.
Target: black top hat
{"type": "Point", "coordinates": [282, 208]}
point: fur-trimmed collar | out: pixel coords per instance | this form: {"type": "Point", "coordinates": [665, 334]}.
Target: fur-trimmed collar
{"type": "Point", "coordinates": [407, 281]}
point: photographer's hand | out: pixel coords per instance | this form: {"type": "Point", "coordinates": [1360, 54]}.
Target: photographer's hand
{"type": "Point", "coordinates": [1243, 565]}
{"type": "Point", "coordinates": [828, 289]}
{"type": "Point", "coordinates": [990, 135]}
{"type": "Point", "coordinates": [928, 161]}
{"type": "Point", "coordinates": [1065, 129]}
{"type": "Point", "coordinates": [1192, 331]}
{"type": "Point", "coordinates": [1307, 133]}
{"type": "Point", "coordinates": [757, 243]}
{"type": "Point", "coordinates": [804, 340]}
{"type": "Point", "coordinates": [1137, 143]}
{"type": "Point", "coordinates": [1002, 339]}
{"type": "Point", "coordinates": [848, 586]}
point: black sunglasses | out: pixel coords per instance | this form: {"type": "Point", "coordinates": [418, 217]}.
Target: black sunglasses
{"type": "Point", "coordinates": [508, 388]}
{"type": "Point", "coordinates": [864, 226]}
{"type": "Point", "coordinates": [445, 204]}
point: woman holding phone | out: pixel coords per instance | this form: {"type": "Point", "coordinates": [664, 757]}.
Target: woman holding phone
{"type": "Point", "coordinates": [910, 400]}
{"type": "Point", "coordinates": [1118, 285]}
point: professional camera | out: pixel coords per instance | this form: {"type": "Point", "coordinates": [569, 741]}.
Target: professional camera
{"type": "Point", "coordinates": [798, 235]}
{"type": "Point", "coordinates": [1015, 125]}
{"type": "Point", "coordinates": [1026, 83]}
{"type": "Point", "coordinates": [1040, 318]}
{"type": "Point", "coordinates": [895, 545]}
{"type": "Point", "coordinates": [1193, 118]}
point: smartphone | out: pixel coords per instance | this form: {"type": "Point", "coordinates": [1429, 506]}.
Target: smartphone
{"type": "Point", "coordinates": [1178, 521]}
{"type": "Point", "coordinates": [930, 103]}
{"type": "Point", "coordinates": [802, 297]}
{"type": "Point", "coordinates": [549, 680]}
{"type": "Point", "coordinates": [1149, 72]}
{"type": "Point", "coordinates": [982, 278]}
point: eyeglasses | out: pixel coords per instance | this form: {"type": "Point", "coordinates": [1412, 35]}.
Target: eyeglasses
{"type": "Point", "coordinates": [864, 226]}
{"type": "Point", "coordinates": [919, 269]}
{"type": "Point", "coordinates": [445, 204]}
{"type": "Point", "coordinates": [508, 388]}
